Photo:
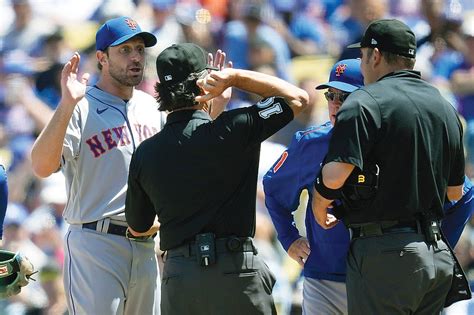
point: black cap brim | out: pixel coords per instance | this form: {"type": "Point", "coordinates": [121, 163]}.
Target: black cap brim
{"type": "Point", "coordinates": [355, 45]}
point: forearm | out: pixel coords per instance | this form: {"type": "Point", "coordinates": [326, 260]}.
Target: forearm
{"type": "Point", "coordinates": [47, 149]}
{"type": "Point", "coordinates": [266, 85]}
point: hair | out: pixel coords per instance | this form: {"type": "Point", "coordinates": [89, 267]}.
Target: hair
{"type": "Point", "coordinates": [179, 95]}
{"type": "Point", "coordinates": [395, 59]}
{"type": "Point", "coordinates": [106, 51]}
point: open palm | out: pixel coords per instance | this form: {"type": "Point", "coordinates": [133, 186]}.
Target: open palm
{"type": "Point", "coordinates": [73, 90]}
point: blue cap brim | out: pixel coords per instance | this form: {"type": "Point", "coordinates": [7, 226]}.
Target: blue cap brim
{"type": "Point", "coordinates": [345, 87]}
{"type": "Point", "coordinates": [148, 38]}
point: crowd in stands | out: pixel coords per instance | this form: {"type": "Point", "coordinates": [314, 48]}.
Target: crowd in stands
{"type": "Point", "coordinates": [297, 40]}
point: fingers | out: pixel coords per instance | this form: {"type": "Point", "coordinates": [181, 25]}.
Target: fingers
{"type": "Point", "coordinates": [85, 78]}
{"type": "Point", "coordinates": [210, 59]}
{"type": "Point", "coordinates": [76, 58]}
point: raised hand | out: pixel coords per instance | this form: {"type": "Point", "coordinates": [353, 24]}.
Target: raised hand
{"type": "Point", "coordinates": [221, 100]}
{"type": "Point", "coordinates": [72, 89]}
{"type": "Point", "coordinates": [299, 250]}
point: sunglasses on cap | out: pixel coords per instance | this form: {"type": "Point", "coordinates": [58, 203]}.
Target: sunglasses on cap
{"type": "Point", "coordinates": [332, 96]}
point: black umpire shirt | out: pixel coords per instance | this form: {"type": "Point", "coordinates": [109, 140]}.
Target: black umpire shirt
{"type": "Point", "coordinates": [200, 175]}
{"type": "Point", "coordinates": [405, 126]}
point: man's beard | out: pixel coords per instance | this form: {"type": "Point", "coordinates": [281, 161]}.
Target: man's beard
{"type": "Point", "coordinates": [122, 77]}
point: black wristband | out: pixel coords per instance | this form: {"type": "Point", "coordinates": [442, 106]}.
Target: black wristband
{"type": "Point", "coordinates": [324, 191]}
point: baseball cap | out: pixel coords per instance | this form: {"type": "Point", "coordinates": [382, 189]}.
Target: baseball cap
{"type": "Point", "coordinates": [116, 31]}
{"type": "Point", "coordinates": [177, 62]}
{"type": "Point", "coordinates": [345, 75]}
{"type": "Point", "coordinates": [389, 35]}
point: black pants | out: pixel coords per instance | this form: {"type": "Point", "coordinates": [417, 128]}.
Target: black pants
{"type": "Point", "coordinates": [239, 283]}
{"type": "Point", "coordinates": [398, 273]}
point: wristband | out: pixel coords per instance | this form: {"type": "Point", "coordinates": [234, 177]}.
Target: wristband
{"type": "Point", "coordinates": [324, 191]}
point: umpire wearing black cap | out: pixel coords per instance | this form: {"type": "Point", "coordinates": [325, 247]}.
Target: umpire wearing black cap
{"type": "Point", "coordinates": [199, 176]}
{"type": "Point", "coordinates": [397, 263]}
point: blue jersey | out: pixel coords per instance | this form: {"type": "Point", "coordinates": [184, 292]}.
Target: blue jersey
{"type": "Point", "coordinates": [457, 214]}
{"type": "Point", "coordinates": [3, 197]}
{"type": "Point", "coordinates": [294, 172]}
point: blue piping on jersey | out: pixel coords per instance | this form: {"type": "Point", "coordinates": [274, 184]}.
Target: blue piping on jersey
{"type": "Point", "coordinates": [69, 272]}
{"type": "Point", "coordinates": [123, 114]}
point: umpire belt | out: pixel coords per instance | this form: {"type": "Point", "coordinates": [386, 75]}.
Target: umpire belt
{"type": "Point", "coordinates": [223, 245]}
{"type": "Point", "coordinates": [105, 226]}
{"type": "Point", "coordinates": [384, 227]}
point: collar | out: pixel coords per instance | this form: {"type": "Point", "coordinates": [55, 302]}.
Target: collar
{"type": "Point", "coordinates": [402, 74]}
{"type": "Point", "coordinates": [187, 115]}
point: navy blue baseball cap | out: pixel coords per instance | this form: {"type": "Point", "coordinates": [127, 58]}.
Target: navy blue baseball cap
{"type": "Point", "coordinates": [345, 76]}
{"type": "Point", "coordinates": [116, 31]}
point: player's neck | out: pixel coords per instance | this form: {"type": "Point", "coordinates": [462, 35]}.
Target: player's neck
{"type": "Point", "coordinates": [119, 90]}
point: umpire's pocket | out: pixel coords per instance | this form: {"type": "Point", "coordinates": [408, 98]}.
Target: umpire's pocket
{"type": "Point", "coordinates": [268, 278]}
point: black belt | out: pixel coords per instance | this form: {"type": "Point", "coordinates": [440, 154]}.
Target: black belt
{"type": "Point", "coordinates": [223, 245]}
{"type": "Point", "coordinates": [112, 229]}
{"type": "Point", "coordinates": [377, 229]}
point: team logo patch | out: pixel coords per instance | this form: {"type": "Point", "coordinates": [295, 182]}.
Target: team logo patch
{"type": "Point", "coordinates": [168, 77]}
{"type": "Point", "coordinates": [280, 162]}
{"type": "Point", "coordinates": [3, 271]}
{"type": "Point", "coordinates": [373, 41]}
{"type": "Point", "coordinates": [131, 23]}
{"type": "Point", "coordinates": [340, 69]}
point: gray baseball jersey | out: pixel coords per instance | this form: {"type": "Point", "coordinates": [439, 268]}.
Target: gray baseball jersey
{"type": "Point", "coordinates": [106, 273]}
{"type": "Point", "coordinates": [100, 139]}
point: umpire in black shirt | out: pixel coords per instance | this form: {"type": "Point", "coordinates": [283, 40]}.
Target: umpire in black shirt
{"type": "Point", "coordinates": [199, 177]}
{"type": "Point", "coordinates": [400, 127]}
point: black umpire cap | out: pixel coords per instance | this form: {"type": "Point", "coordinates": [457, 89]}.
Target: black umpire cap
{"type": "Point", "coordinates": [389, 35]}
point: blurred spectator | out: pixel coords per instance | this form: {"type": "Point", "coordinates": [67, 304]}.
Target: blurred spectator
{"type": "Point", "coordinates": [301, 24]}
{"type": "Point", "coordinates": [352, 22]}
{"type": "Point", "coordinates": [455, 70]}
{"type": "Point", "coordinates": [238, 34]}
{"type": "Point", "coordinates": [26, 28]}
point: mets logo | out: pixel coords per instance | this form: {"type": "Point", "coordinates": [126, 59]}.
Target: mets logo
{"type": "Point", "coordinates": [132, 24]}
{"type": "Point", "coordinates": [3, 271]}
{"type": "Point", "coordinates": [340, 69]}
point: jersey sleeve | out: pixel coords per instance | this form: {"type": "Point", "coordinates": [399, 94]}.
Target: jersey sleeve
{"type": "Point", "coordinates": [254, 124]}
{"type": "Point", "coordinates": [72, 139]}
{"type": "Point", "coordinates": [3, 197]}
{"type": "Point", "coordinates": [293, 172]}
{"type": "Point", "coordinates": [355, 130]}
{"type": "Point", "coordinates": [138, 206]}
{"type": "Point", "coordinates": [457, 214]}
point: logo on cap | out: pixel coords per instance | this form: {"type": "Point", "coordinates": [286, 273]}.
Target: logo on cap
{"type": "Point", "coordinates": [373, 42]}
{"type": "Point", "coordinates": [411, 51]}
{"type": "Point", "coordinates": [131, 23]}
{"type": "Point", "coordinates": [168, 77]}
{"type": "Point", "coordinates": [3, 270]}
{"type": "Point", "coordinates": [340, 69]}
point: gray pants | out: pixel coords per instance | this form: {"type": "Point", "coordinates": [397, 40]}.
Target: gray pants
{"type": "Point", "coordinates": [239, 283]}
{"type": "Point", "coordinates": [106, 274]}
{"type": "Point", "coordinates": [324, 297]}
{"type": "Point", "coordinates": [398, 273]}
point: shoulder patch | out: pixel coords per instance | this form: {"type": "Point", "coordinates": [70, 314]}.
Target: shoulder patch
{"type": "Point", "coordinates": [280, 162]}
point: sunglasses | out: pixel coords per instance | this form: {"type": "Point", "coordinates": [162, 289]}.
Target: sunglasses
{"type": "Point", "coordinates": [332, 96]}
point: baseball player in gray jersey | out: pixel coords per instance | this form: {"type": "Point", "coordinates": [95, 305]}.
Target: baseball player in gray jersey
{"type": "Point", "coordinates": [91, 137]}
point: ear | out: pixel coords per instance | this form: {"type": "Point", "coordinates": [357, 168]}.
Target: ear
{"type": "Point", "coordinates": [101, 57]}
{"type": "Point", "coordinates": [377, 57]}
